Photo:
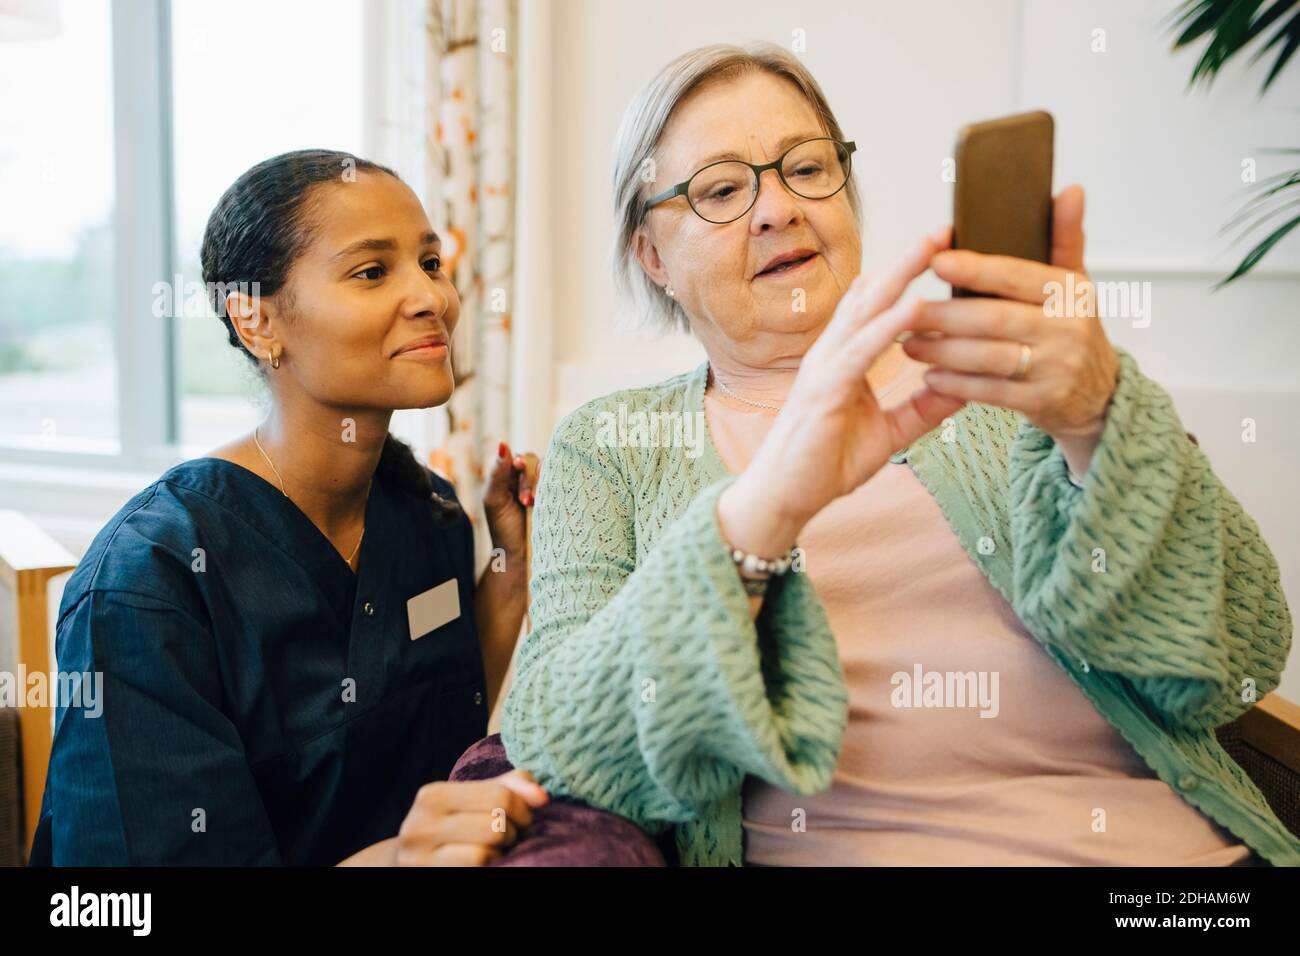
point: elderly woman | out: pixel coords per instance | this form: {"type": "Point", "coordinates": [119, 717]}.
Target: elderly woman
{"type": "Point", "coordinates": [792, 643]}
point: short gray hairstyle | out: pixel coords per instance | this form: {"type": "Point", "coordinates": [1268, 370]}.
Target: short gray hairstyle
{"type": "Point", "coordinates": [638, 138]}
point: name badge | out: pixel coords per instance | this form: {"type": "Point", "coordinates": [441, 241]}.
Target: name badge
{"type": "Point", "coordinates": [431, 610]}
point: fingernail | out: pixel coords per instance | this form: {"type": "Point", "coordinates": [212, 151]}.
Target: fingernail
{"type": "Point", "coordinates": [519, 463]}
{"type": "Point", "coordinates": [527, 498]}
{"type": "Point", "coordinates": [501, 450]}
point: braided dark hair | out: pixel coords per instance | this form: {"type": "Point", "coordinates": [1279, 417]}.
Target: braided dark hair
{"type": "Point", "coordinates": [259, 227]}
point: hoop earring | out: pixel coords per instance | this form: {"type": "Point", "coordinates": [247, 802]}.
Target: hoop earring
{"type": "Point", "coordinates": [275, 360]}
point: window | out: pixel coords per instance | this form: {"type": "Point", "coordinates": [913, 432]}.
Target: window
{"type": "Point", "coordinates": [139, 115]}
{"type": "Point", "coordinates": [58, 376]}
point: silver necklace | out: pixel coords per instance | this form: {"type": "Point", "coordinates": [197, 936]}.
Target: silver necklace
{"type": "Point", "coordinates": [776, 408]}
{"type": "Point", "coordinates": [286, 494]}
{"type": "Point", "coordinates": [722, 385]}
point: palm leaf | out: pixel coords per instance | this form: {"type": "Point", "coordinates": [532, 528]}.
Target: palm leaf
{"type": "Point", "coordinates": [1275, 211]}
{"type": "Point", "coordinates": [1258, 253]}
{"type": "Point", "coordinates": [1231, 26]}
{"type": "Point", "coordinates": [1292, 33]}
{"type": "Point", "coordinates": [1251, 207]}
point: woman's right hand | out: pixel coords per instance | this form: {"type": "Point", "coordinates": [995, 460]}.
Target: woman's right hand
{"type": "Point", "coordinates": [466, 823]}
{"type": "Point", "coordinates": [831, 435]}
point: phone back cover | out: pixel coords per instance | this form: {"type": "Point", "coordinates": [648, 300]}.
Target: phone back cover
{"type": "Point", "coordinates": [1009, 213]}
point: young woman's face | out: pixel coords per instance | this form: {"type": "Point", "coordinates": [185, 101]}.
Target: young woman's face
{"type": "Point", "coordinates": [367, 314]}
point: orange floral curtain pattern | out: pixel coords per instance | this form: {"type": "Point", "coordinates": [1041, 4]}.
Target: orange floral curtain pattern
{"type": "Point", "coordinates": [469, 172]}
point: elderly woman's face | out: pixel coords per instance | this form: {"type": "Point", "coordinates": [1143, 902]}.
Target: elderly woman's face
{"type": "Point", "coordinates": [715, 270]}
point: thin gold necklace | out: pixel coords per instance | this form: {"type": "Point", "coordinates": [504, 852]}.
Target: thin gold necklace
{"type": "Point", "coordinates": [286, 494]}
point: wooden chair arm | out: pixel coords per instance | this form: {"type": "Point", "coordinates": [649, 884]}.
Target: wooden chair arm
{"type": "Point", "coordinates": [1272, 727]}
{"type": "Point", "coordinates": [29, 558]}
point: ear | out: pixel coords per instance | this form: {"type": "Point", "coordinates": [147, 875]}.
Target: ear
{"type": "Point", "coordinates": [648, 256]}
{"type": "Point", "coordinates": [252, 323]}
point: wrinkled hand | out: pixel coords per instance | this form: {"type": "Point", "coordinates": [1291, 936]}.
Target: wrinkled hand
{"type": "Point", "coordinates": [831, 434]}
{"type": "Point", "coordinates": [975, 342]}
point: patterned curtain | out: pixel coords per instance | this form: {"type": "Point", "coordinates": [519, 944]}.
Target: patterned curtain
{"type": "Point", "coordinates": [450, 123]}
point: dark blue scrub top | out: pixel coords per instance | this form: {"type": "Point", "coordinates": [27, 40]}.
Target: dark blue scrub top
{"type": "Point", "coordinates": [225, 736]}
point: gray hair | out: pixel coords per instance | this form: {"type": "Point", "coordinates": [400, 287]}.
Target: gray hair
{"type": "Point", "coordinates": [638, 138]}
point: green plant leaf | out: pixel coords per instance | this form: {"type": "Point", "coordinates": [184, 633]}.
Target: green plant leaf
{"type": "Point", "coordinates": [1255, 201]}
{"type": "Point", "coordinates": [1292, 32]}
{"type": "Point", "coordinates": [1232, 25]}
{"type": "Point", "coordinates": [1274, 211]}
{"type": "Point", "coordinates": [1258, 253]}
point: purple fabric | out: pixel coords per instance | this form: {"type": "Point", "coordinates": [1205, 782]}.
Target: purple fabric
{"type": "Point", "coordinates": [564, 832]}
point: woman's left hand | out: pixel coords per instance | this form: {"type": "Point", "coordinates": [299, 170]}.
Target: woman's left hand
{"type": "Point", "coordinates": [1051, 308]}
{"type": "Point", "coordinates": [509, 494]}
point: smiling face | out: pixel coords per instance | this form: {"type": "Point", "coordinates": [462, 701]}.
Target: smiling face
{"type": "Point", "coordinates": [361, 298]}
{"type": "Point", "coordinates": [715, 270]}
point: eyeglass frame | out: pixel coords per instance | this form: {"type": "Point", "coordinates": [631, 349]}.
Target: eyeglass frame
{"type": "Point", "coordinates": [681, 189]}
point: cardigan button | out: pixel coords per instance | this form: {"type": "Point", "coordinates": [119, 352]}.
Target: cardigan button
{"type": "Point", "coordinates": [478, 698]}
{"type": "Point", "coordinates": [1188, 782]}
{"type": "Point", "coordinates": [368, 609]}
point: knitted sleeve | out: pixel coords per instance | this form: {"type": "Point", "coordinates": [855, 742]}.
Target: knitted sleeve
{"type": "Point", "coordinates": [648, 689]}
{"type": "Point", "coordinates": [1152, 570]}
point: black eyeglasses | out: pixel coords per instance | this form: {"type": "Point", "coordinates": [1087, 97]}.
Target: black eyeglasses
{"type": "Point", "coordinates": [724, 191]}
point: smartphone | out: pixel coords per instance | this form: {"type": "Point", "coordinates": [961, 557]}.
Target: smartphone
{"type": "Point", "coordinates": [1002, 203]}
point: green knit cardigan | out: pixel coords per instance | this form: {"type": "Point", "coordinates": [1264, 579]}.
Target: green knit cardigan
{"type": "Point", "coordinates": [645, 687]}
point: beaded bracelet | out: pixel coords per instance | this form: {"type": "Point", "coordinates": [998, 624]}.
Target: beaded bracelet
{"type": "Point", "coordinates": [752, 564]}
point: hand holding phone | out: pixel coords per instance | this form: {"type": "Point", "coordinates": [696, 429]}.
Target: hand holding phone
{"type": "Point", "coordinates": [1002, 203]}
{"type": "Point", "coordinates": [1001, 340]}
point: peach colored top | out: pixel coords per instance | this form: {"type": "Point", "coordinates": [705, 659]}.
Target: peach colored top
{"type": "Point", "coordinates": [1017, 767]}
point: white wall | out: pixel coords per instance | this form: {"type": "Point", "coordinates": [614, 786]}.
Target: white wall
{"type": "Point", "coordinates": [1161, 166]}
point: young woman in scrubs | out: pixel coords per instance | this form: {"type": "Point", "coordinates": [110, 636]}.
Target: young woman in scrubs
{"type": "Point", "coordinates": [292, 646]}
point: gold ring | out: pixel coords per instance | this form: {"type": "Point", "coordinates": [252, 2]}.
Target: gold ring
{"type": "Point", "coordinates": [1022, 366]}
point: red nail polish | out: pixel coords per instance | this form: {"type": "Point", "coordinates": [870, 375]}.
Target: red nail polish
{"type": "Point", "coordinates": [501, 450]}
{"type": "Point", "coordinates": [528, 498]}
